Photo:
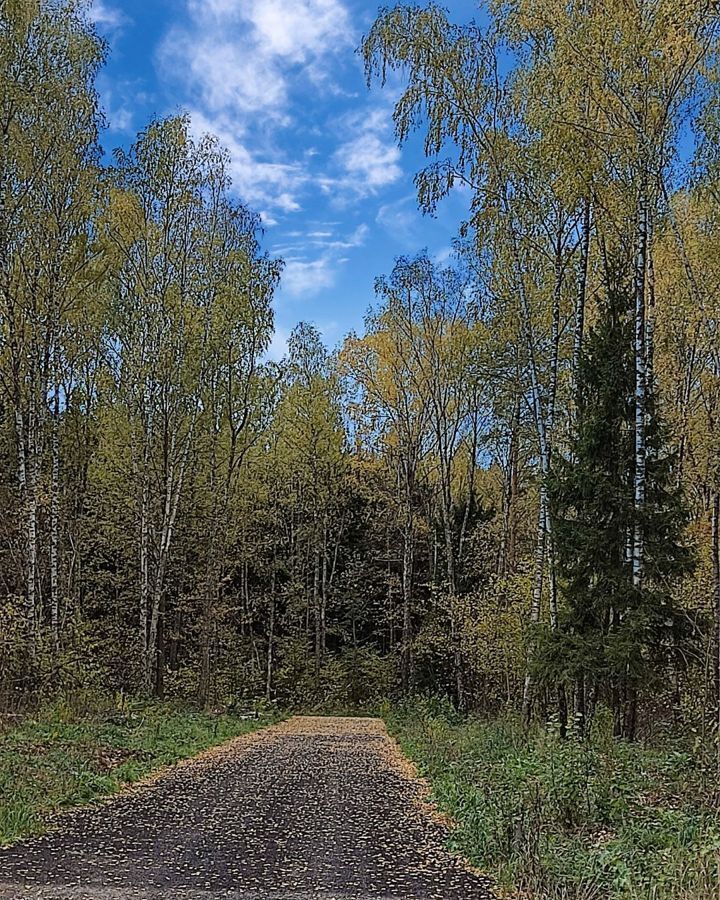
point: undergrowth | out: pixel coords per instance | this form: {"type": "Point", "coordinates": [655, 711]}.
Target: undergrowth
{"type": "Point", "coordinates": [549, 817]}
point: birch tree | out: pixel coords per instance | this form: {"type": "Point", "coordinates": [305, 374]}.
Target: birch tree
{"type": "Point", "coordinates": [49, 121]}
{"type": "Point", "coordinates": [455, 85]}
{"type": "Point", "coordinates": [159, 223]}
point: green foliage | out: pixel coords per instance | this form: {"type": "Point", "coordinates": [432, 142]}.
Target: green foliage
{"type": "Point", "coordinates": [184, 519]}
{"type": "Point", "coordinates": [611, 630]}
{"type": "Point", "coordinates": [355, 679]}
{"type": "Point", "coordinates": [86, 747]}
{"type": "Point", "coordinates": [564, 818]}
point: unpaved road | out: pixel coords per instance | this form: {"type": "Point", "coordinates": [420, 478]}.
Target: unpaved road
{"type": "Point", "coordinates": [312, 808]}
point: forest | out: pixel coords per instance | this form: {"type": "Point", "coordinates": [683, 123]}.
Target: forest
{"type": "Point", "coordinates": [501, 496]}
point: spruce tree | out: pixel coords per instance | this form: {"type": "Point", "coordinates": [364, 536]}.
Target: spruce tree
{"type": "Point", "coordinates": [612, 636]}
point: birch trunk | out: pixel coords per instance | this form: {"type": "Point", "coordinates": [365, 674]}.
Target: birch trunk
{"type": "Point", "coordinates": [641, 253]}
{"type": "Point", "coordinates": [23, 481]}
{"type": "Point", "coordinates": [145, 571]}
{"type": "Point", "coordinates": [581, 299]}
{"type": "Point", "coordinates": [716, 604]}
{"type": "Point", "coordinates": [506, 552]}
{"type": "Point", "coordinates": [471, 486]}
{"type": "Point", "coordinates": [538, 578]}
{"type": "Point", "coordinates": [174, 480]}
{"type": "Point", "coordinates": [316, 611]}
{"type": "Point", "coordinates": [407, 577]}
{"type": "Point", "coordinates": [271, 638]}
{"type": "Point", "coordinates": [324, 596]}
{"type": "Point", "coordinates": [31, 525]}
{"type": "Point", "coordinates": [55, 507]}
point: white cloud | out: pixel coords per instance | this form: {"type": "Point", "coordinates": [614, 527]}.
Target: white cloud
{"type": "Point", "coordinates": [398, 215]}
{"type": "Point", "coordinates": [119, 99]}
{"type": "Point", "coordinates": [120, 119]}
{"type": "Point", "coordinates": [443, 256]}
{"type": "Point", "coordinates": [270, 185]}
{"type": "Point", "coordinates": [401, 220]}
{"type": "Point", "coordinates": [286, 202]}
{"type": "Point", "coordinates": [356, 239]}
{"type": "Point", "coordinates": [304, 276]}
{"type": "Point", "coordinates": [106, 17]}
{"type": "Point", "coordinates": [225, 76]}
{"type": "Point", "coordinates": [298, 29]}
{"type": "Point", "coordinates": [239, 61]}
{"type": "Point", "coordinates": [371, 159]}
{"type": "Point", "coordinates": [279, 345]}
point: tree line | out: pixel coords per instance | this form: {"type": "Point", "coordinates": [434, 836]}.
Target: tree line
{"type": "Point", "coordinates": [504, 489]}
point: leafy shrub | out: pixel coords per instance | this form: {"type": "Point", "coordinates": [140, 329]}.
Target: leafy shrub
{"type": "Point", "coordinates": [354, 680]}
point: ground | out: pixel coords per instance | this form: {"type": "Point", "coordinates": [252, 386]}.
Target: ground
{"type": "Point", "coordinates": [311, 808]}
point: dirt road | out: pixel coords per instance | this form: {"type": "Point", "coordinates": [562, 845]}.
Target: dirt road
{"type": "Point", "coordinates": [312, 808]}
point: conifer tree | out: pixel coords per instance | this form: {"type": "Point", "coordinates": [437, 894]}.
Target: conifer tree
{"type": "Point", "coordinates": [610, 631]}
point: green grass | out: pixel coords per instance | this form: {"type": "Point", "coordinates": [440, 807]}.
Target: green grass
{"type": "Point", "coordinates": [553, 818]}
{"type": "Point", "coordinates": [59, 760]}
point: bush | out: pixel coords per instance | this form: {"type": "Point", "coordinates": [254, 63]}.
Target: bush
{"type": "Point", "coordinates": [354, 680]}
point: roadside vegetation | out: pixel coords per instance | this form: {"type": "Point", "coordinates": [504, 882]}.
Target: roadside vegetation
{"type": "Point", "coordinates": [553, 817]}
{"type": "Point", "coordinates": [67, 755]}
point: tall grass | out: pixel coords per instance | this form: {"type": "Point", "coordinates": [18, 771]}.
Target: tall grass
{"type": "Point", "coordinates": [561, 818]}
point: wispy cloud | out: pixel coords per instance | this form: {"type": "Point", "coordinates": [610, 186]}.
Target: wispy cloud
{"type": "Point", "coordinates": [305, 278]}
{"type": "Point", "coordinates": [401, 220]}
{"type": "Point", "coordinates": [374, 163]}
{"type": "Point", "coordinates": [239, 62]}
{"type": "Point", "coordinates": [312, 266]}
{"type": "Point", "coordinates": [371, 159]}
{"type": "Point", "coordinates": [121, 98]}
{"type": "Point", "coordinates": [269, 185]}
{"type": "Point", "coordinates": [279, 345]}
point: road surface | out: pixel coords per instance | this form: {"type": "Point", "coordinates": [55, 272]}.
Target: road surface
{"type": "Point", "coordinates": [311, 808]}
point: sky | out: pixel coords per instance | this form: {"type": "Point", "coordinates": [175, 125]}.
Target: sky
{"type": "Point", "coordinates": [312, 148]}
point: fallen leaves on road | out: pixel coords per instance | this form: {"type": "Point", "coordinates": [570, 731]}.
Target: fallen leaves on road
{"type": "Point", "coordinates": [313, 807]}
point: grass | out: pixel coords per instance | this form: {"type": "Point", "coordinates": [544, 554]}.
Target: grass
{"type": "Point", "coordinates": [59, 759]}
{"type": "Point", "coordinates": [554, 818]}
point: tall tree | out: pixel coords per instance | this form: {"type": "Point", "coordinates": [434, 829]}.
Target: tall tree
{"type": "Point", "coordinates": [612, 631]}
{"type": "Point", "coordinates": [49, 120]}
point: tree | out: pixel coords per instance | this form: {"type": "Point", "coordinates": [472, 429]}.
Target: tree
{"type": "Point", "coordinates": [49, 120]}
{"type": "Point", "coordinates": [393, 408]}
{"type": "Point", "coordinates": [192, 319]}
{"type": "Point", "coordinates": [311, 432]}
{"type": "Point", "coordinates": [519, 210]}
{"type": "Point", "coordinates": [611, 632]}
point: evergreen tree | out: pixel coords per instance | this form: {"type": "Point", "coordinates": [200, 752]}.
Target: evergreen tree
{"type": "Point", "coordinates": [610, 631]}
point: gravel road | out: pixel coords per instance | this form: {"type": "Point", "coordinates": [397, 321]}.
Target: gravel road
{"type": "Point", "coordinates": [311, 808]}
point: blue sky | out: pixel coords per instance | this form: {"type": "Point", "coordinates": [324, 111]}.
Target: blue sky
{"type": "Point", "coordinates": [312, 149]}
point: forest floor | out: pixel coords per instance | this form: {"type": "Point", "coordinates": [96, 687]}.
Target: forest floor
{"type": "Point", "coordinates": [312, 807]}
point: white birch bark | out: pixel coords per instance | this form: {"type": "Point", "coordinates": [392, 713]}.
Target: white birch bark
{"type": "Point", "coordinates": [55, 502]}
{"type": "Point", "coordinates": [641, 253]}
